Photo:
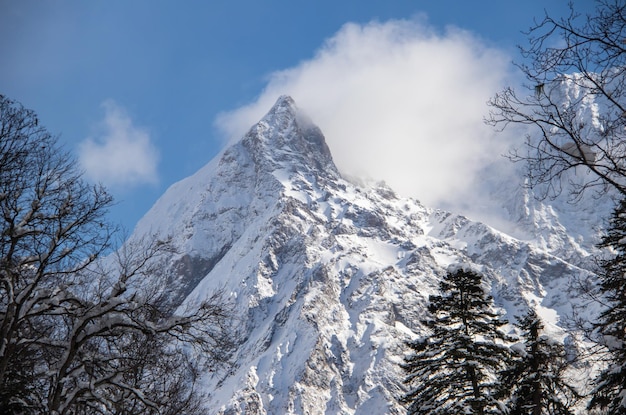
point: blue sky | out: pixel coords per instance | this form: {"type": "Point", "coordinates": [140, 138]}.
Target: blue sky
{"type": "Point", "coordinates": [145, 92]}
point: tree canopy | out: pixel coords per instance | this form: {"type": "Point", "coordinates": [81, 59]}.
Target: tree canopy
{"type": "Point", "coordinates": [610, 383]}
{"type": "Point", "coordinates": [80, 333]}
{"type": "Point", "coordinates": [574, 101]}
{"type": "Point", "coordinates": [452, 370]}
{"type": "Point", "coordinates": [537, 374]}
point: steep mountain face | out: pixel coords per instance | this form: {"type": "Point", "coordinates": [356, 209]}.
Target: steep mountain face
{"type": "Point", "coordinates": [563, 223]}
{"type": "Point", "coordinates": [329, 278]}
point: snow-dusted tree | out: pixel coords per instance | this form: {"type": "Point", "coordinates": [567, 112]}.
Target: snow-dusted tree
{"type": "Point", "coordinates": [76, 337]}
{"type": "Point", "coordinates": [610, 391]}
{"type": "Point", "coordinates": [537, 375]}
{"type": "Point", "coordinates": [452, 371]}
{"type": "Point", "coordinates": [585, 54]}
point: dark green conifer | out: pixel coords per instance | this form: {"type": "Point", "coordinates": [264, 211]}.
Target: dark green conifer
{"type": "Point", "coordinates": [537, 374]}
{"type": "Point", "coordinates": [610, 385]}
{"type": "Point", "coordinates": [452, 370]}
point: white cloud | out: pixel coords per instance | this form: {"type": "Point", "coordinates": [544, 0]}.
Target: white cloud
{"type": "Point", "coordinates": [120, 154]}
{"type": "Point", "coordinates": [397, 101]}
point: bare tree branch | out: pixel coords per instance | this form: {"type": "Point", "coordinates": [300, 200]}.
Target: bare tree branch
{"type": "Point", "coordinates": [81, 333]}
{"type": "Point", "coordinates": [576, 65]}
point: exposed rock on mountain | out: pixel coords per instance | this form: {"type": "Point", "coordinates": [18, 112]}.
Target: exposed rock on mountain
{"type": "Point", "coordinates": [329, 277]}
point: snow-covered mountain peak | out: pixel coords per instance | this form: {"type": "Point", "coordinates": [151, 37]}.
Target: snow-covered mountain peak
{"type": "Point", "coordinates": [328, 277]}
{"type": "Point", "coordinates": [286, 138]}
{"type": "Point", "coordinates": [285, 108]}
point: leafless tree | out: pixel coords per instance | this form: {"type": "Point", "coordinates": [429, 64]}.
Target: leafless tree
{"type": "Point", "coordinates": [572, 65]}
{"type": "Point", "coordinates": [81, 333]}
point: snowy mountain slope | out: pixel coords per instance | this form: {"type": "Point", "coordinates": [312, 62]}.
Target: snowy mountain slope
{"type": "Point", "coordinates": [562, 222]}
{"type": "Point", "coordinates": [329, 278]}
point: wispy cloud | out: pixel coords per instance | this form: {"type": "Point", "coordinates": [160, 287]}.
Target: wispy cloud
{"type": "Point", "coordinates": [119, 154]}
{"type": "Point", "coordinates": [398, 101]}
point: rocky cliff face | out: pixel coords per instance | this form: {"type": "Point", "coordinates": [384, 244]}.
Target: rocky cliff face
{"type": "Point", "coordinates": [330, 278]}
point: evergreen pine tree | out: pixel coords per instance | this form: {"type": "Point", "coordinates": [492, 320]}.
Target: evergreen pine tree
{"type": "Point", "coordinates": [452, 371]}
{"type": "Point", "coordinates": [610, 384]}
{"type": "Point", "coordinates": [536, 376]}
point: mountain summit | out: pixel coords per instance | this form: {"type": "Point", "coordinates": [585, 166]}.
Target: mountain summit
{"type": "Point", "coordinates": [287, 137]}
{"type": "Point", "coordinates": [328, 278]}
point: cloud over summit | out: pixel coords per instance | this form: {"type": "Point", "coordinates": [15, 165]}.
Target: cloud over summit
{"type": "Point", "coordinates": [397, 101]}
